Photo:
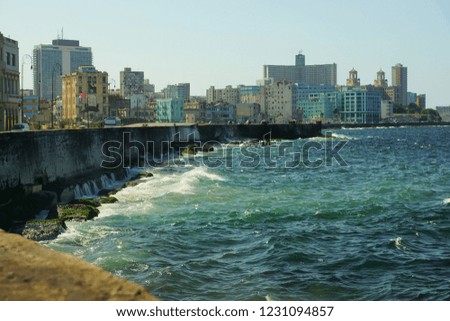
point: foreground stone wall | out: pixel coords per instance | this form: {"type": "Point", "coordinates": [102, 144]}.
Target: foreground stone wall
{"type": "Point", "coordinates": [29, 271]}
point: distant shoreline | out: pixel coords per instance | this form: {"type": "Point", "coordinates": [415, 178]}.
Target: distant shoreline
{"type": "Point", "coordinates": [384, 125]}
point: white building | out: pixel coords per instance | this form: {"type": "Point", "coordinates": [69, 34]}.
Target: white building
{"type": "Point", "coordinates": [228, 95]}
{"type": "Point", "coordinates": [278, 102]}
{"type": "Point", "coordinates": [302, 73]}
{"type": "Point", "coordinates": [387, 109]}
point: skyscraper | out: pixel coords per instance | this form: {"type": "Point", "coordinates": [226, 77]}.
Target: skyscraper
{"type": "Point", "coordinates": [61, 57]}
{"type": "Point", "coordinates": [301, 73]}
{"type": "Point", "coordinates": [400, 79]}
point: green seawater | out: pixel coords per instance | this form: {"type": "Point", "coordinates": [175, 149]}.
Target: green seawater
{"type": "Point", "coordinates": [264, 224]}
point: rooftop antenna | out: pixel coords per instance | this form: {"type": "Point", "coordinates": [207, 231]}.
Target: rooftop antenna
{"type": "Point", "coordinates": [62, 32]}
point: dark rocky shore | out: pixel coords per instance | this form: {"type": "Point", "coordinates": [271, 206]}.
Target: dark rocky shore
{"type": "Point", "coordinates": [52, 220]}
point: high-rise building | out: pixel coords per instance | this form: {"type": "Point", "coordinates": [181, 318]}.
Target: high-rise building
{"type": "Point", "coordinates": [302, 73]}
{"type": "Point", "coordinates": [51, 61]}
{"type": "Point", "coordinates": [85, 94]}
{"type": "Point", "coordinates": [9, 83]}
{"type": "Point", "coordinates": [131, 82]}
{"type": "Point", "coordinates": [400, 79]}
{"type": "Point", "coordinates": [411, 98]}
{"type": "Point", "coordinates": [278, 102]}
{"type": "Point", "coordinates": [360, 105]}
{"type": "Point", "coordinates": [211, 94]}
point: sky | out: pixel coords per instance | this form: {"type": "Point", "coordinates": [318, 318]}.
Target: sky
{"type": "Point", "coordinates": [218, 43]}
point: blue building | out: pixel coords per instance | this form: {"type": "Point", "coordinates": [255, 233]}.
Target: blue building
{"type": "Point", "coordinates": [169, 110]}
{"type": "Point", "coordinates": [319, 106]}
{"type": "Point", "coordinates": [303, 91]}
{"type": "Point", "coordinates": [360, 105]}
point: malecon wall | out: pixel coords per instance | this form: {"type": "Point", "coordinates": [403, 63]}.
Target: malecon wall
{"type": "Point", "coordinates": [36, 160]}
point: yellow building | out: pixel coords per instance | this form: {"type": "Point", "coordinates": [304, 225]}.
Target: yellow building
{"type": "Point", "coordinates": [85, 95]}
{"type": "Point", "coordinates": [192, 111]}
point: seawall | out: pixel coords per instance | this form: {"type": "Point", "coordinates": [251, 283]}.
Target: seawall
{"type": "Point", "coordinates": [52, 160]}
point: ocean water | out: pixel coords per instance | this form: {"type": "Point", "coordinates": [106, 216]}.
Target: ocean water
{"type": "Point", "coordinates": [291, 223]}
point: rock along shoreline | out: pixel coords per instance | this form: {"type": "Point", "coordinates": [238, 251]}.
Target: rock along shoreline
{"type": "Point", "coordinates": [53, 222]}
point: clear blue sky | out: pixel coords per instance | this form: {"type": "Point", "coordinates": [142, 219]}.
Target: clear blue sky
{"type": "Point", "coordinates": [207, 42]}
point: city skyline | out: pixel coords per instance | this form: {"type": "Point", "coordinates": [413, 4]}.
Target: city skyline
{"type": "Point", "coordinates": [221, 43]}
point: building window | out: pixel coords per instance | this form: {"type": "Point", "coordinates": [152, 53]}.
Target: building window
{"type": "Point", "coordinates": [13, 59]}
{"type": "Point", "coordinates": [8, 58]}
{"type": "Point", "coordinates": [80, 90]}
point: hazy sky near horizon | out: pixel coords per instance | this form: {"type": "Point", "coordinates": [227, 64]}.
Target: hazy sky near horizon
{"type": "Point", "coordinates": [219, 43]}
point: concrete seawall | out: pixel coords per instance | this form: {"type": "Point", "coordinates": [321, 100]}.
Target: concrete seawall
{"type": "Point", "coordinates": [50, 160]}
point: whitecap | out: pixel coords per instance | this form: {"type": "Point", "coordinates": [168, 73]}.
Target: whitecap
{"type": "Point", "coordinates": [446, 201]}
{"type": "Point", "coordinates": [398, 243]}
{"type": "Point", "coordinates": [342, 136]}
{"type": "Point", "coordinates": [140, 198]}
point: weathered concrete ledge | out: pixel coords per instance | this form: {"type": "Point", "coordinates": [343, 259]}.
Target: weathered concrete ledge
{"type": "Point", "coordinates": [30, 272]}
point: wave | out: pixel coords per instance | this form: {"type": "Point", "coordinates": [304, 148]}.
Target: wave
{"type": "Point", "coordinates": [446, 201]}
{"type": "Point", "coordinates": [342, 136]}
{"type": "Point", "coordinates": [398, 243]}
{"type": "Point", "coordinates": [139, 198]}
